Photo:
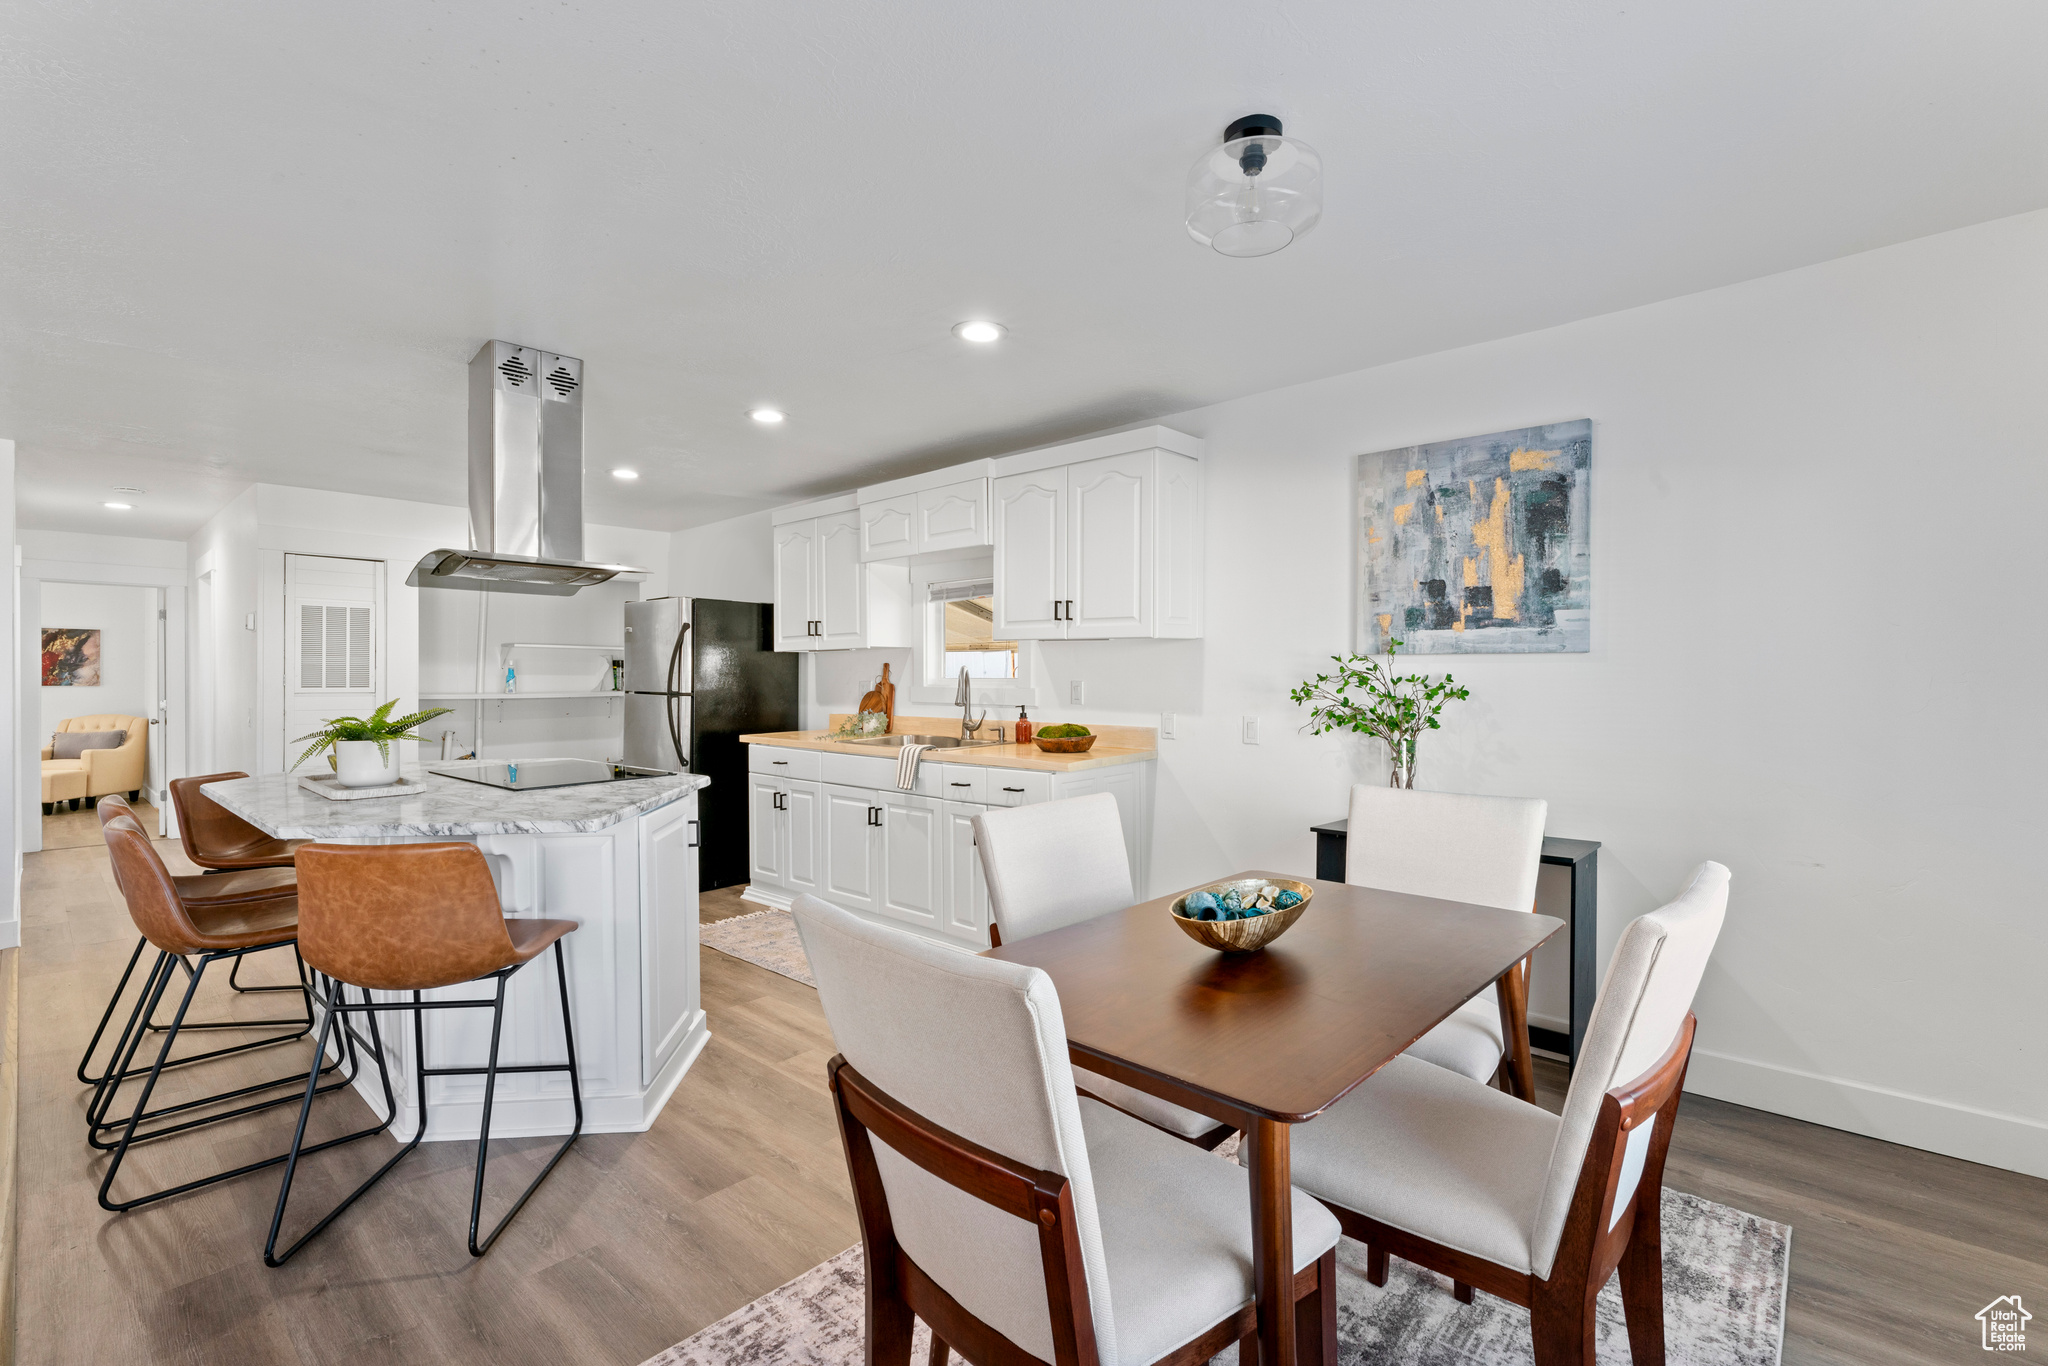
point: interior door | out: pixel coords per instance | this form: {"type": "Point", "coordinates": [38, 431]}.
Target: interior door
{"type": "Point", "coordinates": [966, 889]}
{"type": "Point", "coordinates": [1030, 518]}
{"type": "Point", "coordinates": [852, 863]}
{"type": "Point", "coordinates": [802, 805]}
{"type": "Point", "coordinates": [1109, 546]}
{"type": "Point", "coordinates": [914, 859]}
{"type": "Point", "coordinates": [841, 600]}
{"type": "Point", "coordinates": [765, 836]}
{"type": "Point", "coordinates": [796, 574]}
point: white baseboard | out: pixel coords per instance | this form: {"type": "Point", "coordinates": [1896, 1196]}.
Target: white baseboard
{"type": "Point", "coordinates": [2013, 1142]}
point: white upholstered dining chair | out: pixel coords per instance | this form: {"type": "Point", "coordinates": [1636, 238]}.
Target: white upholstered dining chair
{"type": "Point", "coordinates": [1536, 1208]}
{"type": "Point", "coordinates": [1482, 850]}
{"type": "Point", "coordinates": [1023, 1222]}
{"type": "Point", "coordinates": [1056, 864]}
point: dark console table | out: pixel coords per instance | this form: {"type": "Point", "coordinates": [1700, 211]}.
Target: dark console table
{"type": "Point", "coordinates": [1332, 840]}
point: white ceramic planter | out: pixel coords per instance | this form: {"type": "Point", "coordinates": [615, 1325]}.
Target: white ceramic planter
{"type": "Point", "coordinates": [357, 764]}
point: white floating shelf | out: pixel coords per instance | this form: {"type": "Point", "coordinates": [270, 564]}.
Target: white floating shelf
{"type": "Point", "coordinates": [507, 647]}
{"type": "Point", "coordinates": [508, 696]}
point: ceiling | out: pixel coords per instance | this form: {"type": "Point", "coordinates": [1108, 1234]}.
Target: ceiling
{"type": "Point", "coordinates": [261, 242]}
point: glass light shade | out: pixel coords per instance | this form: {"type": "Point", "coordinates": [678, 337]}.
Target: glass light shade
{"type": "Point", "coordinates": [1253, 195]}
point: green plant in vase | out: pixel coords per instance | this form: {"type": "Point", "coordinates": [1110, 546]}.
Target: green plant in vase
{"type": "Point", "coordinates": [352, 737]}
{"type": "Point", "coordinates": [1366, 696]}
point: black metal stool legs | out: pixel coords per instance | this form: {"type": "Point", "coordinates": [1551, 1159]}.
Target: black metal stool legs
{"type": "Point", "coordinates": [160, 979]}
{"type": "Point", "coordinates": [303, 1025]}
{"type": "Point", "coordinates": [483, 1139]}
{"type": "Point", "coordinates": [490, 1072]}
{"type": "Point", "coordinates": [141, 1021]}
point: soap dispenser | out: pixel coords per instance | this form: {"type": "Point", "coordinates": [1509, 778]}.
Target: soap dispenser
{"type": "Point", "coordinates": [1024, 727]}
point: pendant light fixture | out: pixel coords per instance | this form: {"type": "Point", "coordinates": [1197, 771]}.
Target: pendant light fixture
{"type": "Point", "coordinates": [1257, 192]}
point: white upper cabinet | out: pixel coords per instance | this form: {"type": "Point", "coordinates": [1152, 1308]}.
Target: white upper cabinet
{"type": "Point", "coordinates": [944, 510]}
{"type": "Point", "coordinates": [796, 585]}
{"type": "Point", "coordinates": [826, 596]}
{"type": "Point", "coordinates": [1031, 555]}
{"type": "Point", "coordinates": [1093, 540]}
{"type": "Point", "coordinates": [1103, 547]}
{"type": "Point", "coordinates": [888, 529]}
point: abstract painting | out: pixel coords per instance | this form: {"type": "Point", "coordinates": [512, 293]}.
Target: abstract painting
{"type": "Point", "coordinates": [1477, 546]}
{"type": "Point", "coordinates": [71, 657]}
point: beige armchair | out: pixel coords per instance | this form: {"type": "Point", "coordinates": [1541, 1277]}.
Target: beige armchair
{"type": "Point", "coordinates": [105, 771]}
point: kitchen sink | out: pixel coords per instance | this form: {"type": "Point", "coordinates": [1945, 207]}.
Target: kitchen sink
{"type": "Point", "coordinates": [898, 741]}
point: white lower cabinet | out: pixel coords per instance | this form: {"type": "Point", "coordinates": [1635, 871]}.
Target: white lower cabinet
{"type": "Point", "coordinates": [908, 858]}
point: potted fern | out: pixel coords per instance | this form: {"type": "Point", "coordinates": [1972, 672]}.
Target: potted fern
{"type": "Point", "coordinates": [1366, 696]}
{"type": "Point", "coordinates": [364, 751]}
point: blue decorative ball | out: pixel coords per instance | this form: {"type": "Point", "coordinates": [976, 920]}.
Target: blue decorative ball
{"type": "Point", "coordinates": [1201, 906]}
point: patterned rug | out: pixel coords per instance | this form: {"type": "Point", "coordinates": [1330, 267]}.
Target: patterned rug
{"type": "Point", "coordinates": [1724, 1305]}
{"type": "Point", "coordinates": [767, 939]}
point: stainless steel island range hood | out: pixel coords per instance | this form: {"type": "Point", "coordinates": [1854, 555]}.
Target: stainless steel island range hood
{"type": "Point", "coordinates": [525, 480]}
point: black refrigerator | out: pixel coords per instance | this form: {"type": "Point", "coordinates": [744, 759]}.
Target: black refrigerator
{"type": "Point", "coordinates": [700, 673]}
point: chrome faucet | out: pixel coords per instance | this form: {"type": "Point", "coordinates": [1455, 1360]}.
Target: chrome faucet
{"type": "Point", "coordinates": [964, 699]}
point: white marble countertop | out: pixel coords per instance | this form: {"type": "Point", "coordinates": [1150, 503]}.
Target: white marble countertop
{"type": "Point", "coordinates": [447, 808]}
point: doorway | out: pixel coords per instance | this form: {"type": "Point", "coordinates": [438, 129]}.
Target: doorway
{"type": "Point", "coordinates": [103, 693]}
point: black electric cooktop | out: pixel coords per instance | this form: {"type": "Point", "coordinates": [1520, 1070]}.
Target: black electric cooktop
{"type": "Point", "coordinates": [532, 774]}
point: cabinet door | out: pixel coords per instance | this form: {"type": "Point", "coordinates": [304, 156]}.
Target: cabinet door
{"type": "Point", "coordinates": [668, 928]}
{"type": "Point", "coordinates": [796, 582]}
{"type": "Point", "coordinates": [1110, 532]}
{"type": "Point", "coordinates": [802, 806]}
{"type": "Point", "coordinates": [766, 863]}
{"type": "Point", "coordinates": [842, 584]}
{"type": "Point", "coordinates": [852, 862]}
{"type": "Point", "coordinates": [914, 859]}
{"type": "Point", "coordinates": [1030, 516]}
{"type": "Point", "coordinates": [954, 517]}
{"type": "Point", "coordinates": [966, 889]}
{"type": "Point", "coordinates": [888, 529]}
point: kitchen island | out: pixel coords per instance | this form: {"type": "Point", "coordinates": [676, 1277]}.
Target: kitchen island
{"type": "Point", "coordinates": [620, 859]}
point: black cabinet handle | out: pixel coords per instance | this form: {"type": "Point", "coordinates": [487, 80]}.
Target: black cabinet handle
{"type": "Point", "coordinates": [873, 813]}
{"type": "Point", "coordinates": [963, 784]}
{"type": "Point", "coordinates": [780, 763]}
{"type": "Point", "coordinates": [696, 833]}
{"type": "Point", "coordinates": [780, 797]}
{"type": "Point", "coordinates": [1070, 609]}
{"type": "Point", "coordinates": [1013, 789]}
{"type": "Point", "coordinates": [1055, 609]}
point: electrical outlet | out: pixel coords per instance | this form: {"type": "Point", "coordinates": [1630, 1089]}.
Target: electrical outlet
{"type": "Point", "coordinates": [1166, 725]}
{"type": "Point", "coordinates": [1077, 692]}
{"type": "Point", "coordinates": [1251, 730]}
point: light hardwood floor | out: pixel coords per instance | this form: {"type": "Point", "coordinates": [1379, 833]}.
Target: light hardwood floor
{"type": "Point", "coordinates": [637, 1241]}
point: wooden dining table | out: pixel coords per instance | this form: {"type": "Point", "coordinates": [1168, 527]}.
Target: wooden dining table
{"type": "Point", "coordinates": [1271, 1039]}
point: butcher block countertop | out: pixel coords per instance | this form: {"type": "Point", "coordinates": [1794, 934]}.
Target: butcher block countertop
{"type": "Point", "coordinates": [1113, 745]}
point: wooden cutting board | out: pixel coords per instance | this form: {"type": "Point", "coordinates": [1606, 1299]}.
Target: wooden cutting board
{"type": "Point", "coordinates": [882, 698]}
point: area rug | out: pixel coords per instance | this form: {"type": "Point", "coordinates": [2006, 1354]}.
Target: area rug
{"type": "Point", "coordinates": [767, 939]}
{"type": "Point", "coordinates": [1725, 1274]}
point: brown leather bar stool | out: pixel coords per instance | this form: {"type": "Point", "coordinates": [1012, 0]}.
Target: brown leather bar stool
{"type": "Point", "coordinates": [413, 917]}
{"type": "Point", "coordinates": [180, 930]}
{"type": "Point", "coordinates": [232, 889]}
{"type": "Point", "coordinates": [219, 841]}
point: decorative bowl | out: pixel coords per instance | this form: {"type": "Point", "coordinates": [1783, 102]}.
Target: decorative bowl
{"type": "Point", "coordinates": [1077, 744]}
{"type": "Point", "coordinates": [1250, 934]}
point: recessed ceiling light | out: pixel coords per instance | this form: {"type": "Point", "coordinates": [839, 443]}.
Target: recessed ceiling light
{"type": "Point", "coordinates": [118, 507]}
{"type": "Point", "coordinates": [625, 474]}
{"type": "Point", "coordinates": [979, 330]}
{"type": "Point", "coordinates": [128, 488]}
{"type": "Point", "coordinates": [767, 416]}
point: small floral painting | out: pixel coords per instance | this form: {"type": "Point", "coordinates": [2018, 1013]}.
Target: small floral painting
{"type": "Point", "coordinates": [71, 657]}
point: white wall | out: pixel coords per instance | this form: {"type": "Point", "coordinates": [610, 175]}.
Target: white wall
{"type": "Point", "coordinates": [126, 619]}
{"type": "Point", "coordinates": [733, 560]}
{"type": "Point", "coordinates": [11, 712]}
{"type": "Point", "coordinates": [1816, 527]}
{"type": "Point", "coordinates": [140, 551]}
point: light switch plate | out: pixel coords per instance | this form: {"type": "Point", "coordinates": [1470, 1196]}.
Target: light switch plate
{"type": "Point", "coordinates": [1077, 692]}
{"type": "Point", "coordinates": [1166, 725]}
{"type": "Point", "coordinates": [1251, 730]}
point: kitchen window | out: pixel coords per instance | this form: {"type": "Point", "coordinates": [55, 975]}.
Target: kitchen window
{"type": "Point", "coordinates": [955, 632]}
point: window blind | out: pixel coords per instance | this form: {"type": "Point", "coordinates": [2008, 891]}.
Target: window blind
{"type": "Point", "coordinates": [962, 588]}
